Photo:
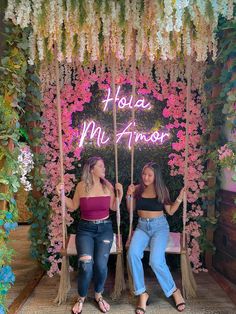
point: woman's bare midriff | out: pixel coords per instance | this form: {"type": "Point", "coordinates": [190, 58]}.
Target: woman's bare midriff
{"type": "Point", "coordinates": [149, 214]}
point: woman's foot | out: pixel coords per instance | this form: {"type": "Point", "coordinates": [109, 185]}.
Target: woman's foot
{"type": "Point", "coordinates": [102, 304]}
{"type": "Point", "coordinates": [142, 303]}
{"type": "Point", "coordinates": [77, 308]}
{"type": "Point", "coordinates": [179, 300]}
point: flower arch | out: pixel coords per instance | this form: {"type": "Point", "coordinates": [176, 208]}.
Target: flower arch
{"type": "Point", "coordinates": [73, 98]}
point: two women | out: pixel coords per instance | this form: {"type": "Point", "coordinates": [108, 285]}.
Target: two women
{"type": "Point", "coordinates": [95, 196]}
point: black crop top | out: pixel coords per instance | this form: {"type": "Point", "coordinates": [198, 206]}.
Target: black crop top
{"type": "Point", "coordinates": [150, 204]}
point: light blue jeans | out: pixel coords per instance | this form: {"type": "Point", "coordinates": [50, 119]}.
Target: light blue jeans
{"type": "Point", "coordinates": [153, 233]}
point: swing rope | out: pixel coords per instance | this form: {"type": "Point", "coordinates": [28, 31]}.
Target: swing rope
{"type": "Point", "coordinates": [188, 99]}
{"type": "Point", "coordinates": [131, 215]}
{"type": "Point", "coordinates": [119, 276]}
{"type": "Point", "coordinates": [64, 285]}
{"type": "Point", "coordinates": [113, 71]}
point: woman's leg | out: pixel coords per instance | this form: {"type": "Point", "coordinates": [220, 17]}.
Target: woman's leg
{"type": "Point", "coordinates": [138, 244]}
{"type": "Point", "coordinates": [102, 247]}
{"type": "Point", "coordinates": [84, 246]}
{"type": "Point", "coordinates": [85, 249]}
{"type": "Point", "coordinates": [157, 259]}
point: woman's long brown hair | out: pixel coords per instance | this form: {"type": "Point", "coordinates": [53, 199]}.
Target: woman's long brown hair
{"type": "Point", "coordinates": [87, 175]}
{"type": "Point", "coordinates": [161, 190]}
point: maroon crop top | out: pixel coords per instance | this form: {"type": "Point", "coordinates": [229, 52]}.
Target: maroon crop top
{"type": "Point", "coordinates": [95, 207]}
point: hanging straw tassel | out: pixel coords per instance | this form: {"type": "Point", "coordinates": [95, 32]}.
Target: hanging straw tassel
{"type": "Point", "coordinates": [119, 276]}
{"type": "Point", "coordinates": [64, 285]}
{"type": "Point", "coordinates": [188, 282]}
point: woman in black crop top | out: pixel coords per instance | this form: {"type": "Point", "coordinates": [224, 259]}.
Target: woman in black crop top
{"type": "Point", "coordinates": [151, 199]}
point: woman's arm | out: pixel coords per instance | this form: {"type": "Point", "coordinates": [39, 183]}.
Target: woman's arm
{"type": "Point", "coordinates": [171, 209]}
{"type": "Point", "coordinates": [129, 196]}
{"type": "Point", "coordinates": [72, 204]}
{"type": "Point", "coordinates": [119, 189]}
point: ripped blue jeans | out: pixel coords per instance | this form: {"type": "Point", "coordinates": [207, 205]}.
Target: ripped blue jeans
{"type": "Point", "coordinates": [93, 240]}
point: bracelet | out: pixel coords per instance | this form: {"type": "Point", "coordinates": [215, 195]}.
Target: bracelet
{"type": "Point", "coordinates": [128, 196]}
{"type": "Point", "coordinates": [178, 200]}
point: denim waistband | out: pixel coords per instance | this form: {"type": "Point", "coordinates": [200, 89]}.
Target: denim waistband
{"type": "Point", "coordinates": [151, 219]}
{"type": "Point", "coordinates": [96, 222]}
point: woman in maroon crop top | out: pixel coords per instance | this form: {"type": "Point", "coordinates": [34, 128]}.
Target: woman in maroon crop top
{"type": "Point", "coordinates": [95, 196]}
{"type": "Point", "coordinates": [151, 198]}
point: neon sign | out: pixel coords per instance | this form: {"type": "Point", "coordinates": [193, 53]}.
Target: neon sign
{"type": "Point", "coordinates": [123, 103]}
{"type": "Point", "coordinates": [94, 132]}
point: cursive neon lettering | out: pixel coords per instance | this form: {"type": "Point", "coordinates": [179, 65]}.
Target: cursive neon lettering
{"type": "Point", "coordinates": [94, 132]}
{"type": "Point", "coordinates": [124, 103]}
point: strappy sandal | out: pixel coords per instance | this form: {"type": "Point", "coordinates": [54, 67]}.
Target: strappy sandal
{"type": "Point", "coordinates": [101, 301]}
{"type": "Point", "coordinates": [139, 308]}
{"type": "Point", "coordinates": [80, 301]}
{"type": "Point", "coordinates": [179, 304]}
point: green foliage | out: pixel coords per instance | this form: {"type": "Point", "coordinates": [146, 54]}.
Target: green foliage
{"type": "Point", "coordinates": [40, 209]}
{"type": "Point", "coordinates": [220, 110]}
{"type": "Point", "coordinates": [12, 89]}
{"type": "Point", "coordinates": [38, 205]}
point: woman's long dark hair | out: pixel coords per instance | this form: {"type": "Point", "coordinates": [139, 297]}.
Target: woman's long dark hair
{"type": "Point", "coordinates": [159, 185]}
{"type": "Point", "coordinates": [87, 175]}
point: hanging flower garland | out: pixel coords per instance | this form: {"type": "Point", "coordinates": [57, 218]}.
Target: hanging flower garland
{"type": "Point", "coordinates": [25, 165]}
{"type": "Point", "coordinates": [175, 111]}
{"type": "Point", "coordinates": [73, 97]}
{"type": "Point", "coordinates": [91, 30]}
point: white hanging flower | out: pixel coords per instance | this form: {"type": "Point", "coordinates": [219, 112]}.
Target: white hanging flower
{"type": "Point", "coordinates": [168, 10]}
{"type": "Point", "coordinates": [127, 10]}
{"type": "Point", "coordinates": [214, 47]}
{"type": "Point", "coordinates": [82, 44]}
{"type": "Point", "coordinates": [40, 47]}
{"type": "Point", "coordinates": [215, 7]}
{"type": "Point", "coordinates": [178, 15]}
{"type": "Point", "coordinates": [201, 6]}
{"type": "Point", "coordinates": [10, 11]}
{"type": "Point", "coordinates": [51, 17]}
{"type": "Point", "coordinates": [188, 43]}
{"type": "Point", "coordinates": [25, 165]}
{"type": "Point", "coordinates": [230, 11]}
{"type": "Point", "coordinates": [32, 51]}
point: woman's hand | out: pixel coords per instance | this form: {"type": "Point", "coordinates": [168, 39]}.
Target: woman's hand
{"type": "Point", "coordinates": [119, 189]}
{"type": "Point", "coordinates": [131, 189]}
{"type": "Point", "coordinates": [181, 194]}
{"type": "Point", "coordinates": [59, 188]}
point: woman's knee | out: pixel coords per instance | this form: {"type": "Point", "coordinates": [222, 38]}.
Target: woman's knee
{"type": "Point", "coordinates": [157, 263]}
{"type": "Point", "coordinates": [134, 253]}
{"type": "Point", "coordinates": [85, 265]}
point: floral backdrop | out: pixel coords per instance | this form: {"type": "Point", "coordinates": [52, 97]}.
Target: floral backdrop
{"type": "Point", "coordinates": [76, 97]}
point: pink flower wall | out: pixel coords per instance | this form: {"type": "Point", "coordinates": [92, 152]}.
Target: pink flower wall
{"type": "Point", "coordinates": [73, 99]}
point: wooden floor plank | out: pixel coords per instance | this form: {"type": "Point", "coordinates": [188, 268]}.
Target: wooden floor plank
{"type": "Point", "coordinates": [25, 292]}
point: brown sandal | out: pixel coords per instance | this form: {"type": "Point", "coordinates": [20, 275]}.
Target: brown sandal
{"type": "Point", "coordinates": [101, 301]}
{"type": "Point", "coordinates": [179, 304]}
{"type": "Point", "coordinates": [80, 301]}
{"type": "Point", "coordinates": [139, 308]}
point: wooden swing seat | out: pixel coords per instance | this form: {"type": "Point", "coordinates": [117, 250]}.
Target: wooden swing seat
{"type": "Point", "coordinates": [70, 249]}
